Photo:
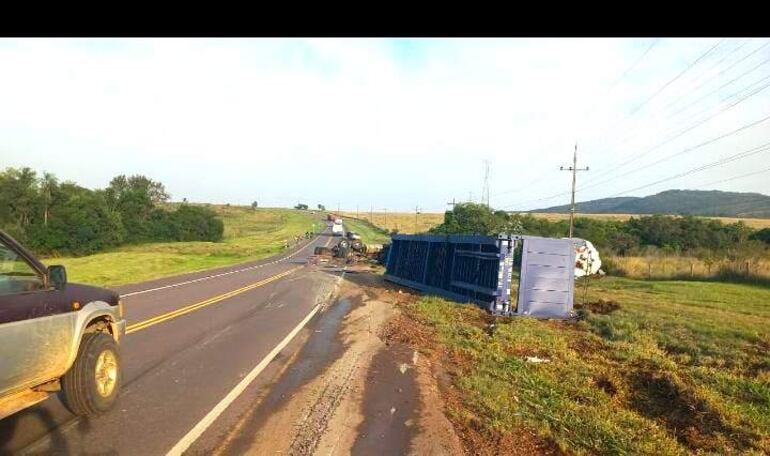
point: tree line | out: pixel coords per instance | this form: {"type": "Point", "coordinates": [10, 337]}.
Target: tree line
{"type": "Point", "coordinates": [53, 217]}
{"type": "Point", "coordinates": [687, 234]}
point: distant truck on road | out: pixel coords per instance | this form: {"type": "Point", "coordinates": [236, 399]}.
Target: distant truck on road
{"type": "Point", "coordinates": [337, 229]}
{"type": "Point", "coordinates": [55, 336]}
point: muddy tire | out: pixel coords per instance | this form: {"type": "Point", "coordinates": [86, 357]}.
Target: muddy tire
{"type": "Point", "coordinates": [92, 384]}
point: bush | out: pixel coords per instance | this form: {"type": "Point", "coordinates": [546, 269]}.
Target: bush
{"type": "Point", "coordinates": [611, 267]}
{"type": "Point", "coordinates": [81, 226]}
{"type": "Point", "coordinates": [192, 223]}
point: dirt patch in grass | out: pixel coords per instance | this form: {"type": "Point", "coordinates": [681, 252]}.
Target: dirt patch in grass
{"type": "Point", "coordinates": [665, 375]}
{"type": "Point", "coordinates": [695, 424]}
{"type": "Point", "coordinates": [601, 307]}
{"type": "Point", "coordinates": [448, 366]}
{"type": "Point", "coordinates": [478, 440]}
{"type": "Point", "coordinates": [606, 385]}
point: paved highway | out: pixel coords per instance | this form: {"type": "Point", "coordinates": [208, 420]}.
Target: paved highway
{"type": "Point", "coordinates": [200, 349]}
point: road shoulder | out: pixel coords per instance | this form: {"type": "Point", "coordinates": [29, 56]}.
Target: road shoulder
{"type": "Point", "coordinates": [373, 394]}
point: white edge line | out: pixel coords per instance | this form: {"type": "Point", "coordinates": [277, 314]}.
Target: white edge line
{"type": "Point", "coordinates": [201, 279]}
{"type": "Point", "coordinates": [207, 420]}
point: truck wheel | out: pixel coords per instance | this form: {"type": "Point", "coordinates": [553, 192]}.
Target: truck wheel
{"type": "Point", "coordinates": [91, 385]}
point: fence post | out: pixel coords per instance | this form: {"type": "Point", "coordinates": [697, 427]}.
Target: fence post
{"type": "Point", "coordinates": [649, 270]}
{"type": "Point", "coordinates": [692, 265]}
{"type": "Point", "coordinates": [747, 268]}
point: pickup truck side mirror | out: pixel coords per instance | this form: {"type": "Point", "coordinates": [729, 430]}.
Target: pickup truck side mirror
{"type": "Point", "coordinates": [57, 276]}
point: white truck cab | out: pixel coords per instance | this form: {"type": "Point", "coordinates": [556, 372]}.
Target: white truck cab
{"type": "Point", "coordinates": [337, 229]}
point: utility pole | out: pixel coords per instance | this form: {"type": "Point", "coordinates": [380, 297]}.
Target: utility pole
{"type": "Point", "coordinates": [485, 188]}
{"type": "Point", "coordinates": [385, 213]}
{"type": "Point", "coordinates": [453, 203]}
{"type": "Point", "coordinates": [416, 213]}
{"type": "Point", "coordinates": [574, 170]}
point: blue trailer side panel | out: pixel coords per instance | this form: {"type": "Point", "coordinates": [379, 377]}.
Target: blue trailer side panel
{"type": "Point", "coordinates": [464, 268]}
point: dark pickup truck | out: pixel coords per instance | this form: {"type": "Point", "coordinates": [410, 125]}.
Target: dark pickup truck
{"type": "Point", "coordinates": [55, 336]}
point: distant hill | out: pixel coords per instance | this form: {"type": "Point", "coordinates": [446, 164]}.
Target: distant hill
{"type": "Point", "coordinates": [678, 202]}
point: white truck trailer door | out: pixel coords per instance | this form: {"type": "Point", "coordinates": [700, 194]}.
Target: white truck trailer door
{"type": "Point", "coordinates": [547, 277]}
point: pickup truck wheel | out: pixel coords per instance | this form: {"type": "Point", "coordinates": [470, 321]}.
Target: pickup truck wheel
{"type": "Point", "coordinates": [91, 385]}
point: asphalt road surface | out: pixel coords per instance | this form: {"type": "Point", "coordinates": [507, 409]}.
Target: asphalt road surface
{"type": "Point", "coordinates": [199, 349]}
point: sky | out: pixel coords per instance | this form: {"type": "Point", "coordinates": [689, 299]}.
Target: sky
{"type": "Point", "coordinates": [390, 123]}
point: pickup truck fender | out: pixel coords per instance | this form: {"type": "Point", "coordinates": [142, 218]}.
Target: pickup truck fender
{"type": "Point", "coordinates": [95, 310]}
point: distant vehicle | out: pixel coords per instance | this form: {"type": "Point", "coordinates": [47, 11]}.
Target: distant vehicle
{"type": "Point", "coordinates": [353, 236]}
{"type": "Point", "coordinates": [338, 221]}
{"type": "Point", "coordinates": [55, 336]}
{"type": "Point", "coordinates": [337, 229]}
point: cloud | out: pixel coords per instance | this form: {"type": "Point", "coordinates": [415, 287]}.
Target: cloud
{"type": "Point", "coordinates": [389, 123]}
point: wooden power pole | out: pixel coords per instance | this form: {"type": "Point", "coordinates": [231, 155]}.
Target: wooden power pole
{"type": "Point", "coordinates": [574, 170]}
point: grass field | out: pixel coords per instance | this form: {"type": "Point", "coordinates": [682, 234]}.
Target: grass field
{"type": "Point", "coordinates": [369, 233]}
{"type": "Point", "coordinates": [672, 267]}
{"type": "Point", "coordinates": [752, 222]}
{"type": "Point", "coordinates": [249, 235]}
{"type": "Point", "coordinates": [654, 368]}
{"type": "Point", "coordinates": [403, 222]}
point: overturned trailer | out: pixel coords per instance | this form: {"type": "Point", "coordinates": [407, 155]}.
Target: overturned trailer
{"type": "Point", "coordinates": [479, 269]}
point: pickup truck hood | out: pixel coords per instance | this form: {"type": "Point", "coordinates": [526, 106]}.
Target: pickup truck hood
{"type": "Point", "coordinates": [87, 293]}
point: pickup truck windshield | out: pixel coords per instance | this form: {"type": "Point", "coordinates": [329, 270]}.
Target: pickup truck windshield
{"type": "Point", "coordinates": [16, 275]}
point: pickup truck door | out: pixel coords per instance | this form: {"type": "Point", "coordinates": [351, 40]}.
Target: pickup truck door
{"type": "Point", "coordinates": [36, 327]}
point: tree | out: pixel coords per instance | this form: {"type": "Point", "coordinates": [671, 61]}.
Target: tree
{"type": "Point", "coordinates": [321, 207]}
{"type": "Point", "coordinates": [135, 198]}
{"type": "Point", "coordinates": [19, 197]}
{"type": "Point", "coordinates": [48, 185]}
{"type": "Point", "coordinates": [472, 218]}
{"type": "Point", "coordinates": [301, 207]}
{"type": "Point", "coordinates": [82, 224]}
{"type": "Point", "coordinates": [254, 205]}
{"type": "Point", "coordinates": [761, 235]}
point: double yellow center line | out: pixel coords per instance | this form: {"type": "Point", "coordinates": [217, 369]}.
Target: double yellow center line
{"type": "Point", "coordinates": [199, 305]}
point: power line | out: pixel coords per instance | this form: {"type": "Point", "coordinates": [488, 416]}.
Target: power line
{"type": "Point", "coordinates": [738, 48]}
{"type": "Point", "coordinates": [742, 75]}
{"type": "Point", "coordinates": [603, 98]}
{"type": "Point", "coordinates": [754, 173]}
{"type": "Point", "coordinates": [729, 67]}
{"type": "Point", "coordinates": [664, 86]}
{"type": "Point", "coordinates": [679, 134]}
{"type": "Point", "coordinates": [670, 115]}
{"type": "Point", "coordinates": [682, 152]}
{"type": "Point", "coordinates": [692, 91]}
{"type": "Point", "coordinates": [594, 183]}
{"type": "Point", "coordinates": [633, 158]}
{"type": "Point", "coordinates": [695, 62]}
{"type": "Point", "coordinates": [528, 184]}
{"type": "Point", "coordinates": [720, 162]}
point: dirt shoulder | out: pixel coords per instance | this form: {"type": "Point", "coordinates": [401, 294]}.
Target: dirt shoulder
{"type": "Point", "coordinates": [353, 389]}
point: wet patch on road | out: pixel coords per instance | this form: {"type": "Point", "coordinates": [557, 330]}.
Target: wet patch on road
{"type": "Point", "coordinates": [391, 403]}
{"type": "Point", "coordinates": [322, 347]}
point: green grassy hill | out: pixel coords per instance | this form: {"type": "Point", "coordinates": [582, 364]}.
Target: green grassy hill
{"type": "Point", "coordinates": [678, 202]}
